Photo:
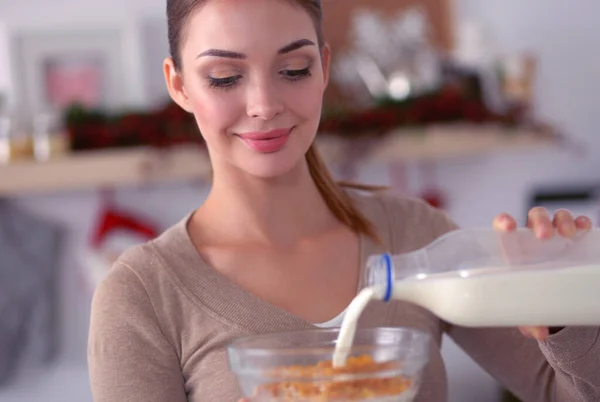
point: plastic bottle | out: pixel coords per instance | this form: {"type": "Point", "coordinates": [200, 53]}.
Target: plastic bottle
{"type": "Point", "coordinates": [482, 277]}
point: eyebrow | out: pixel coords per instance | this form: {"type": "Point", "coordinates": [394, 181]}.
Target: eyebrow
{"type": "Point", "coordinates": [295, 46]}
{"type": "Point", "coordinates": [228, 54]}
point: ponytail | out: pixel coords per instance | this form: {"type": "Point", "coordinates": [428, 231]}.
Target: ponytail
{"type": "Point", "coordinates": [336, 199]}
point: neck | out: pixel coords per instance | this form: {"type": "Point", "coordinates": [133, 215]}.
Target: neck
{"type": "Point", "coordinates": [277, 211]}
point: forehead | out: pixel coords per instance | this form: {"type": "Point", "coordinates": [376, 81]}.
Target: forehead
{"type": "Point", "coordinates": [246, 25]}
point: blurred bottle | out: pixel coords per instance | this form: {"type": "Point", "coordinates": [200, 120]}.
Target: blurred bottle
{"type": "Point", "coordinates": [477, 51]}
{"type": "Point", "coordinates": [49, 138]}
{"type": "Point", "coordinates": [6, 129]}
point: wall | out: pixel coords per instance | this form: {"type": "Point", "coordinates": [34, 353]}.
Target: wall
{"type": "Point", "coordinates": [5, 72]}
{"type": "Point", "coordinates": [567, 92]}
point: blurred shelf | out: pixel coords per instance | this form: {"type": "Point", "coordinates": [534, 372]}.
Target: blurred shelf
{"type": "Point", "coordinates": [93, 169]}
{"type": "Point", "coordinates": [446, 142]}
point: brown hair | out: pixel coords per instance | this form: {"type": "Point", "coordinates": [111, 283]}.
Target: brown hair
{"type": "Point", "coordinates": [178, 12]}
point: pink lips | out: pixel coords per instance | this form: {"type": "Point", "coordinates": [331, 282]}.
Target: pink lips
{"type": "Point", "coordinates": [266, 142]}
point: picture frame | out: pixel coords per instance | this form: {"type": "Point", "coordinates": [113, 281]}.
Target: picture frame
{"type": "Point", "coordinates": [53, 68]}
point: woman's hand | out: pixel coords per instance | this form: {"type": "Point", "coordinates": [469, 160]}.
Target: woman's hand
{"type": "Point", "coordinates": [545, 226]}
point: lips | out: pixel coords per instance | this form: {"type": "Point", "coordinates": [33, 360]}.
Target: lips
{"type": "Point", "coordinates": [266, 142]}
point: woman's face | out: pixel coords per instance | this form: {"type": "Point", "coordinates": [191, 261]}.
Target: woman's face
{"type": "Point", "coordinates": [253, 76]}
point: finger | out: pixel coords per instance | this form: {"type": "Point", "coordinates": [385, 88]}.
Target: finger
{"type": "Point", "coordinates": [564, 223]}
{"type": "Point", "coordinates": [538, 219]}
{"type": "Point", "coordinates": [583, 223]}
{"type": "Point", "coordinates": [504, 222]}
{"type": "Point", "coordinates": [538, 333]}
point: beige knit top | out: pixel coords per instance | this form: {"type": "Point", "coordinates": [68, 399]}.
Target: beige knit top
{"type": "Point", "coordinates": [162, 318]}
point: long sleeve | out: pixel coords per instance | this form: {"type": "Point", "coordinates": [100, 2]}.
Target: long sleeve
{"type": "Point", "coordinates": [564, 368]}
{"type": "Point", "coordinates": [129, 357]}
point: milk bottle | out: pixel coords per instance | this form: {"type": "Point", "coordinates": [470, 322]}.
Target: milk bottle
{"type": "Point", "coordinates": [483, 278]}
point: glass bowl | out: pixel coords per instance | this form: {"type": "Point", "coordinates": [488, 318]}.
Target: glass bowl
{"type": "Point", "coordinates": [384, 365]}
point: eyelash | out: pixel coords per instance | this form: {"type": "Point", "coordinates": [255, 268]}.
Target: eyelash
{"type": "Point", "coordinates": [223, 83]}
{"type": "Point", "coordinates": [229, 82]}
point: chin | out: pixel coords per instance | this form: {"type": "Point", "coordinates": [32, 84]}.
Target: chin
{"type": "Point", "coordinates": [274, 165]}
{"type": "Point", "coordinates": [271, 169]}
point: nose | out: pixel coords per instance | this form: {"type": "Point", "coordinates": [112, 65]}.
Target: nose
{"type": "Point", "coordinates": [263, 101]}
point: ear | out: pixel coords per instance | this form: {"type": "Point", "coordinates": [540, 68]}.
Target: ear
{"type": "Point", "coordinates": [175, 85]}
{"type": "Point", "coordinates": [326, 62]}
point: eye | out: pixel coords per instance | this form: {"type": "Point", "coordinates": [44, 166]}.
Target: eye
{"type": "Point", "coordinates": [226, 82]}
{"type": "Point", "coordinates": [295, 75]}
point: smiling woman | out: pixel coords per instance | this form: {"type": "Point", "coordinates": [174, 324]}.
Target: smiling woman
{"type": "Point", "coordinates": [257, 91]}
{"type": "Point", "coordinates": [241, 80]}
{"type": "Point", "coordinates": [277, 245]}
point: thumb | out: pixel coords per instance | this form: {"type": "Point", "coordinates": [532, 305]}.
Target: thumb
{"type": "Point", "coordinates": [504, 223]}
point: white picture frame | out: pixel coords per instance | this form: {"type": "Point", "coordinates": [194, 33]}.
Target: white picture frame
{"type": "Point", "coordinates": [32, 51]}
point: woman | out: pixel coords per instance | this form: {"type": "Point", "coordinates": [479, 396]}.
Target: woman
{"type": "Point", "coordinates": [275, 228]}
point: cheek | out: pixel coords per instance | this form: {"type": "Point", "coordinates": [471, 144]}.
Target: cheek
{"type": "Point", "coordinates": [306, 101]}
{"type": "Point", "coordinates": [215, 111]}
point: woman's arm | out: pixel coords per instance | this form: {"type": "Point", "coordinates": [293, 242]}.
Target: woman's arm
{"type": "Point", "coordinates": [129, 358]}
{"type": "Point", "coordinates": [563, 368]}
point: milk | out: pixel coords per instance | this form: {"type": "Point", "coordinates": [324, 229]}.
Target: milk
{"type": "Point", "coordinates": [556, 297]}
{"type": "Point", "coordinates": [489, 297]}
{"type": "Point", "coordinates": [348, 328]}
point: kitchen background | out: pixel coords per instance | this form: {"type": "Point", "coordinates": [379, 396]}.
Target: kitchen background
{"type": "Point", "coordinates": [512, 122]}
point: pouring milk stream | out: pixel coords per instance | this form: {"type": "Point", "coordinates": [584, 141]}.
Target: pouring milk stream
{"type": "Point", "coordinates": [486, 278]}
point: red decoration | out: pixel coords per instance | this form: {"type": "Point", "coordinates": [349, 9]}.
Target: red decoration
{"type": "Point", "coordinates": [114, 232]}
{"type": "Point", "coordinates": [432, 194]}
{"type": "Point", "coordinates": [435, 198]}
{"type": "Point", "coordinates": [451, 103]}
{"type": "Point", "coordinates": [90, 129]}
{"type": "Point", "coordinates": [112, 219]}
